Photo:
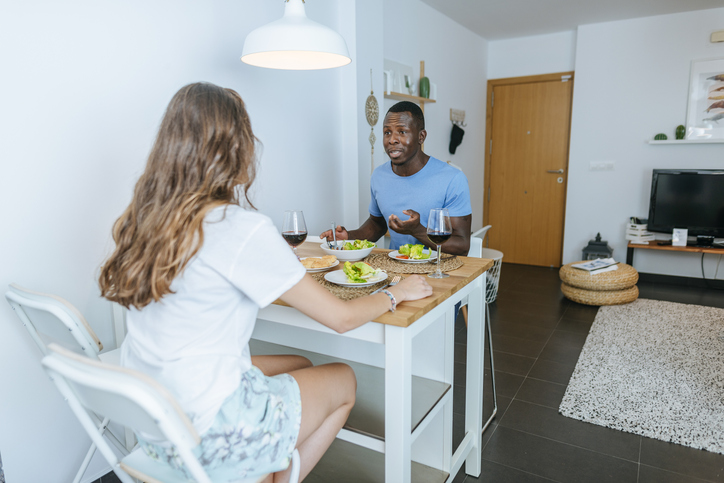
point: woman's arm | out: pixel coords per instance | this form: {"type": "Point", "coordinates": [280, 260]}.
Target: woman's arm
{"type": "Point", "coordinates": [313, 300]}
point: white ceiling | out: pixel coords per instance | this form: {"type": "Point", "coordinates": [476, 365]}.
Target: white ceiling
{"type": "Point", "coordinates": [503, 19]}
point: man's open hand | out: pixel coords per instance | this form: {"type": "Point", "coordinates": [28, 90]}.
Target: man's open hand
{"type": "Point", "coordinates": [410, 226]}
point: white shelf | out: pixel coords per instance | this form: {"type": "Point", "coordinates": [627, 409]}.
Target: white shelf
{"type": "Point", "coordinates": [368, 414]}
{"type": "Point", "coordinates": [687, 141]}
{"type": "Point", "coordinates": [349, 463]}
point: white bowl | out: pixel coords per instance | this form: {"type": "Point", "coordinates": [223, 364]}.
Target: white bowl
{"type": "Point", "coordinates": [346, 255]}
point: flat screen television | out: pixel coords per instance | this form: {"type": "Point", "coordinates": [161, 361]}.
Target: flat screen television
{"type": "Point", "coordinates": [687, 198]}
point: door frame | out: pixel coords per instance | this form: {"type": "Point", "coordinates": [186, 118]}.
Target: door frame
{"type": "Point", "coordinates": [530, 79]}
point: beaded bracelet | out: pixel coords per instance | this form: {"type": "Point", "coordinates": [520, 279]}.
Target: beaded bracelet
{"type": "Point", "coordinates": [392, 299]}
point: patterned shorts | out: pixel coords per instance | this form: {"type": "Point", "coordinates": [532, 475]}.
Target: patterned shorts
{"type": "Point", "coordinates": [254, 433]}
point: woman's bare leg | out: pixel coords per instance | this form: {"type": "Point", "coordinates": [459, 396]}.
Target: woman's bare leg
{"type": "Point", "coordinates": [328, 395]}
{"type": "Point", "coordinates": [273, 365]}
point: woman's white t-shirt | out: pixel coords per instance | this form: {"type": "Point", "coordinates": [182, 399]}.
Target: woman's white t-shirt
{"type": "Point", "coordinates": [195, 341]}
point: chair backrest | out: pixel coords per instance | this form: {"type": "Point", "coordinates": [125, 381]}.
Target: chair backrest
{"type": "Point", "coordinates": [49, 318]}
{"type": "Point", "coordinates": [476, 242]}
{"type": "Point", "coordinates": [124, 396]}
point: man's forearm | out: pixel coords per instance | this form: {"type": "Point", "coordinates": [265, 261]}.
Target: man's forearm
{"type": "Point", "coordinates": [370, 230]}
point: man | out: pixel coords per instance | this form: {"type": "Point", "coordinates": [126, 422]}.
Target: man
{"type": "Point", "coordinates": [411, 184]}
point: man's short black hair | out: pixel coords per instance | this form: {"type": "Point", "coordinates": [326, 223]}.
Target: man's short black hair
{"type": "Point", "coordinates": [413, 109]}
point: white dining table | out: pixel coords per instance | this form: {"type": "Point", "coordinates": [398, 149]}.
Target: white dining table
{"type": "Point", "coordinates": [404, 362]}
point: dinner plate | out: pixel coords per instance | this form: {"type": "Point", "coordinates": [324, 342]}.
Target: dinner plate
{"type": "Point", "coordinates": [322, 269]}
{"type": "Point", "coordinates": [394, 254]}
{"type": "Point", "coordinates": [339, 278]}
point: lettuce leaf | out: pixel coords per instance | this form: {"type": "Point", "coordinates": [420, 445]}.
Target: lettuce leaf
{"type": "Point", "coordinates": [358, 245]}
{"type": "Point", "coordinates": [414, 251]}
{"type": "Point", "coordinates": [359, 272]}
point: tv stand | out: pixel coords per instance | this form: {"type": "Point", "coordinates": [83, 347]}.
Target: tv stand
{"type": "Point", "coordinates": [667, 246]}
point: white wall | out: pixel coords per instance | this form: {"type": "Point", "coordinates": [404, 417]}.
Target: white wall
{"type": "Point", "coordinates": [535, 55]}
{"type": "Point", "coordinates": [370, 39]}
{"type": "Point", "coordinates": [632, 81]}
{"type": "Point", "coordinates": [455, 60]}
{"type": "Point", "coordinates": [83, 89]}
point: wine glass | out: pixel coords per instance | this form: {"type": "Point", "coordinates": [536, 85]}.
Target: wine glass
{"type": "Point", "coordinates": [439, 230]}
{"type": "Point", "coordinates": [294, 230]}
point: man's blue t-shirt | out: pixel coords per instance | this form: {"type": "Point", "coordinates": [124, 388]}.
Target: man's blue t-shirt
{"type": "Point", "coordinates": [437, 185]}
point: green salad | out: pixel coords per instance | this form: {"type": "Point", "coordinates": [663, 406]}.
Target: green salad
{"type": "Point", "coordinates": [414, 251]}
{"type": "Point", "coordinates": [359, 272]}
{"type": "Point", "coordinates": [358, 245]}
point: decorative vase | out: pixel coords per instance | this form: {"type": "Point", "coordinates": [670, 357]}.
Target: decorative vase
{"type": "Point", "coordinates": [425, 87]}
{"type": "Point", "coordinates": [680, 132]}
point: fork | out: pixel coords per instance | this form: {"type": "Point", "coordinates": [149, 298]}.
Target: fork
{"type": "Point", "coordinates": [329, 243]}
{"type": "Point", "coordinates": [395, 280]}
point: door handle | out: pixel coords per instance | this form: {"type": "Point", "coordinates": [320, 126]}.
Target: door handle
{"type": "Point", "coordinates": [556, 171]}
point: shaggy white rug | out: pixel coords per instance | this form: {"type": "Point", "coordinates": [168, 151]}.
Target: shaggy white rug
{"type": "Point", "coordinates": [655, 369]}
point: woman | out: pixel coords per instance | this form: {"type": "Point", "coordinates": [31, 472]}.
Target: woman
{"type": "Point", "coordinates": [193, 267]}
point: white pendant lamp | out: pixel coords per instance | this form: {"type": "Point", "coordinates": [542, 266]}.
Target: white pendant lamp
{"type": "Point", "coordinates": [295, 43]}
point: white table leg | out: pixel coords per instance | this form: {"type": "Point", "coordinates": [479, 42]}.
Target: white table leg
{"type": "Point", "coordinates": [449, 378]}
{"type": "Point", "coordinates": [474, 375]}
{"type": "Point", "coordinates": [398, 404]}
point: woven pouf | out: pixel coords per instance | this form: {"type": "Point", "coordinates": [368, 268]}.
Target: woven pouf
{"type": "Point", "coordinates": [600, 297]}
{"type": "Point", "coordinates": [607, 288]}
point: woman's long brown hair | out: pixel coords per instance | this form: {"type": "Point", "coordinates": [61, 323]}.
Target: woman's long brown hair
{"type": "Point", "coordinates": [203, 157]}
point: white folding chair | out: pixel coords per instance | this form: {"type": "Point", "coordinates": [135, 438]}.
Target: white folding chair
{"type": "Point", "coordinates": [136, 401]}
{"type": "Point", "coordinates": [49, 318]}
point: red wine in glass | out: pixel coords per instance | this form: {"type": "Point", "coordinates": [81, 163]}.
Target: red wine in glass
{"type": "Point", "coordinates": [294, 239]}
{"type": "Point", "coordinates": [294, 230]}
{"type": "Point", "coordinates": [439, 237]}
{"type": "Point", "coordinates": [439, 230]}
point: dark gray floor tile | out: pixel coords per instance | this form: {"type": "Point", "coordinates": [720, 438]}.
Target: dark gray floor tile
{"type": "Point", "coordinates": [512, 364]}
{"type": "Point", "coordinates": [682, 459]}
{"type": "Point", "coordinates": [494, 472]}
{"type": "Point", "coordinates": [535, 295]}
{"type": "Point", "coordinates": [506, 384]}
{"type": "Point", "coordinates": [521, 330]}
{"type": "Point", "coordinates": [563, 347]}
{"type": "Point", "coordinates": [581, 312]}
{"type": "Point", "coordinates": [108, 478]}
{"type": "Point", "coordinates": [552, 371]}
{"type": "Point", "coordinates": [488, 403]}
{"type": "Point", "coordinates": [518, 346]}
{"type": "Point", "coordinates": [458, 429]}
{"type": "Point", "coordinates": [682, 295]}
{"type": "Point", "coordinates": [514, 271]}
{"type": "Point", "coordinates": [461, 353]}
{"type": "Point", "coordinates": [578, 326]}
{"type": "Point", "coordinates": [648, 474]}
{"type": "Point", "coordinates": [460, 477]}
{"type": "Point", "coordinates": [511, 305]}
{"type": "Point", "coordinates": [459, 373]}
{"type": "Point", "coordinates": [546, 422]}
{"type": "Point", "coordinates": [554, 460]}
{"type": "Point", "coordinates": [543, 393]}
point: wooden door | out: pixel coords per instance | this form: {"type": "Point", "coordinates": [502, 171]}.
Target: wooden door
{"type": "Point", "coordinates": [528, 134]}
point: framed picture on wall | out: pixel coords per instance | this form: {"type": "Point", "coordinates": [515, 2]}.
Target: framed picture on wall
{"type": "Point", "coordinates": [705, 114]}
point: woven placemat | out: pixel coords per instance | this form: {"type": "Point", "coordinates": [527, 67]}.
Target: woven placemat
{"type": "Point", "coordinates": [348, 293]}
{"type": "Point", "coordinates": [384, 262]}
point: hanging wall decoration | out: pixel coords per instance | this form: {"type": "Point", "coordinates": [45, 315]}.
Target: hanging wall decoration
{"type": "Point", "coordinates": [372, 111]}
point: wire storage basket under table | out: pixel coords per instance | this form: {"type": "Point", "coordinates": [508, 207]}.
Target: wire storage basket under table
{"type": "Point", "coordinates": [493, 278]}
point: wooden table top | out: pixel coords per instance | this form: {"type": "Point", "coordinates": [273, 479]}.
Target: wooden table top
{"type": "Point", "coordinates": [409, 312]}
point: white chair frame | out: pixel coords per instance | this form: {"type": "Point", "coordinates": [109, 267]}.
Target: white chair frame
{"type": "Point", "coordinates": [476, 250]}
{"type": "Point", "coordinates": [74, 331]}
{"type": "Point", "coordinates": [136, 401]}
